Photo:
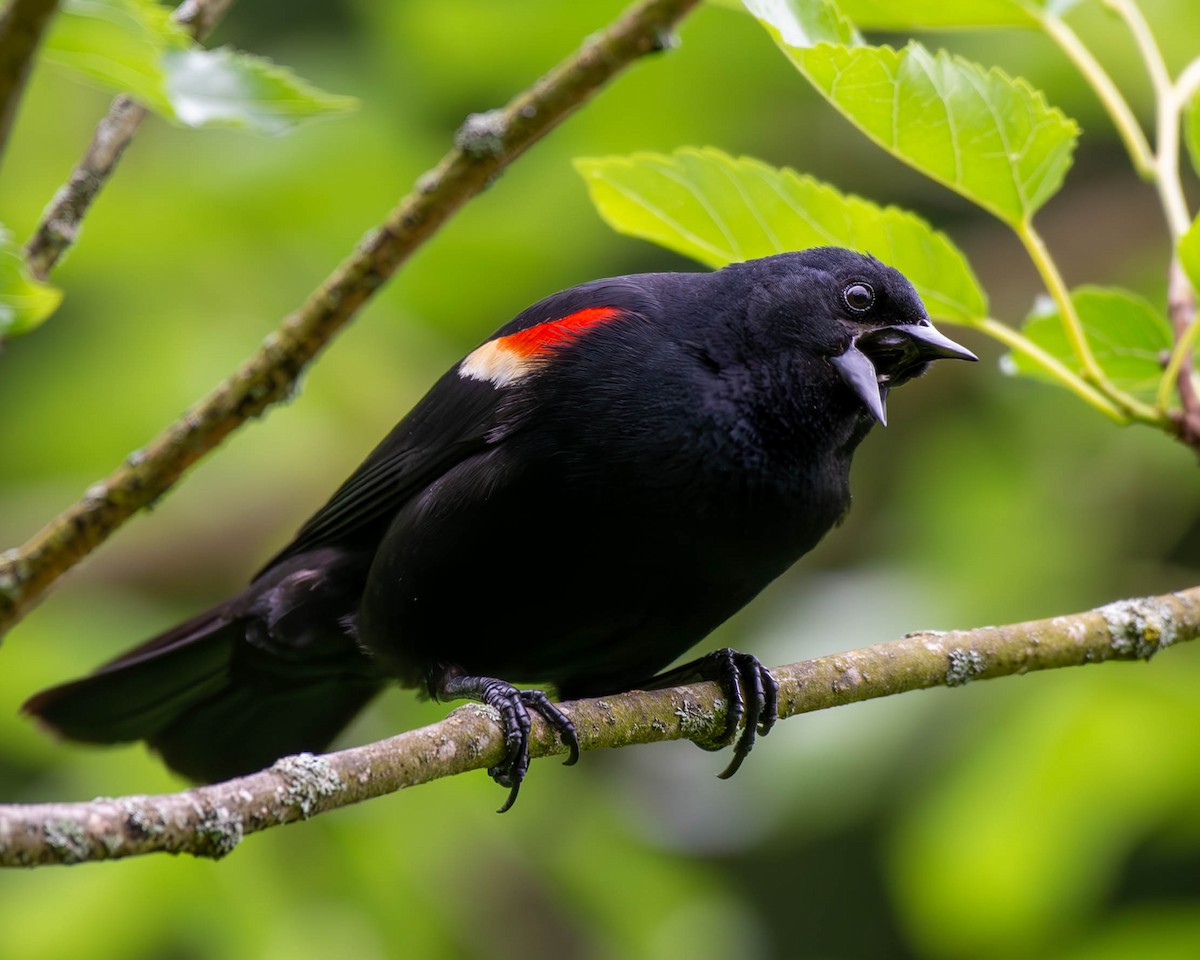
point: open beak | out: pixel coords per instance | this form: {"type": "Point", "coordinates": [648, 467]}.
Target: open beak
{"type": "Point", "coordinates": [880, 358]}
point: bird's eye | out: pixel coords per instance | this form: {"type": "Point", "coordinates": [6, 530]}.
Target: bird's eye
{"type": "Point", "coordinates": [859, 296]}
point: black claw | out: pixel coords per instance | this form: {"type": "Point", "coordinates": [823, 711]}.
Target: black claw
{"type": "Point", "coordinates": [512, 797]}
{"type": "Point", "coordinates": [753, 697]}
{"type": "Point", "coordinates": [558, 720]}
{"type": "Point", "coordinates": [770, 712]}
{"type": "Point", "coordinates": [750, 691]}
{"type": "Point", "coordinates": [513, 705]}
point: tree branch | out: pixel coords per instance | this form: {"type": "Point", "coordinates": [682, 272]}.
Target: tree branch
{"type": "Point", "coordinates": [484, 146]}
{"type": "Point", "coordinates": [60, 223]}
{"type": "Point", "coordinates": [210, 821]}
{"type": "Point", "coordinates": [21, 28]}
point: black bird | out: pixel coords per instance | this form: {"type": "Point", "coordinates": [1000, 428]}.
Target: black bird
{"type": "Point", "coordinates": [579, 501]}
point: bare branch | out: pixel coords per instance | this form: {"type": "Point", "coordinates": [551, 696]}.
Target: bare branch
{"type": "Point", "coordinates": [21, 28]}
{"type": "Point", "coordinates": [210, 821]}
{"type": "Point", "coordinates": [200, 17]}
{"type": "Point", "coordinates": [60, 223]}
{"type": "Point", "coordinates": [484, 146]}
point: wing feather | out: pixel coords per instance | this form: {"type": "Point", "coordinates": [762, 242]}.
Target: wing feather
{"type": "Point", "coordinates": [460, 416]}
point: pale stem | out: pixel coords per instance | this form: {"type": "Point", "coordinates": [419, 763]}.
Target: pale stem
{"type": "Point", "coordinates": [1128, 128]}
{"type": "Point", "coordinates": [1068, 378]}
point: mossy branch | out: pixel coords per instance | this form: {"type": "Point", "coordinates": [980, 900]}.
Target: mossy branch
{"type": "Point", "coordinates": [211, 821]}
{"type": "Point", "coordinates": [484, 146]}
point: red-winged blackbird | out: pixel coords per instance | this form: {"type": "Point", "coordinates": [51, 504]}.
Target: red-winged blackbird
{"type": "Point", "coordinates": [579, 501]}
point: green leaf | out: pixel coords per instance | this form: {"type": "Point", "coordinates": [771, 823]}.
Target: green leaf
{"type": "Point", "coordinates": [118, 44]}
{"type": "Point", "coordinates": [226, 88]}
{"type": "Point", "coordinates": [717, 209]}
{"type": "Point", "coordinates": [938, 14]}
{"type": "Point", "coordinates": [987, 136]}
{"type": "Point", "coordinates": [803, 23]}
{"type": "Point", "coordinates": [132, 46]}
{"type": "Point", "coordinates": [1128, 337]}
{"type": "Point", "coordinates": [916, 14]}
{"type": "Point", "coordinates": [24, 301]}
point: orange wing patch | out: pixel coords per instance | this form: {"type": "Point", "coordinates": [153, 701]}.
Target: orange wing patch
{"type": "Point", "coordinates": [510, 359]}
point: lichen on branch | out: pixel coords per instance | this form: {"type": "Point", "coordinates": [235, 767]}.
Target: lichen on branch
{"type": "Point", "coordinates": [211, 821]}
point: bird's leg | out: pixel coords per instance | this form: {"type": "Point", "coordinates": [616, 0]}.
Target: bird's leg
{"type": "Point", "coordinates": [513, 705]}
{"type": "Point", "coordinates": [752, 693]}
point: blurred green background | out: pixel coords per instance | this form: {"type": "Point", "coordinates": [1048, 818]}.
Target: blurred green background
{"type": "Point", "coordinates": [1048, 816]}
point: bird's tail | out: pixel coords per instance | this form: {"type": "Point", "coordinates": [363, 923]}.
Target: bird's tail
{"type": "Point", "coordinates": [212, 701]}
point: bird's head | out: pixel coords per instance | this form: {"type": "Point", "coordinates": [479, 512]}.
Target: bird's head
{"type": "Point", "coordinates": [861, 316]}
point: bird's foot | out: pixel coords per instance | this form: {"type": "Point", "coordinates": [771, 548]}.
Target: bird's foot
{"type": "Point", "coordinates": [751, 691]}
{"type": "Point", "coordinates": [753, 699]}
{"type": "Point", "coordinates": [513, 705]}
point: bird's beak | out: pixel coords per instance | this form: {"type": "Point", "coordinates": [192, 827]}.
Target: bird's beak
{"type": "Point", "coordinates": [880, 358]}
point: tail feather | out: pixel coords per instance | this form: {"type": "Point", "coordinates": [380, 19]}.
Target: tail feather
{"type": "Point", "coordinates": [243, 729]}
{"type": "Point", "coordinates": [143, 690]}
{"type": "Point", "coordinates": [210, 702]}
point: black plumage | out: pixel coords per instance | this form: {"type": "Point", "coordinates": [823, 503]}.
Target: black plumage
{"type": "Point", "coordinates": [578, 502]}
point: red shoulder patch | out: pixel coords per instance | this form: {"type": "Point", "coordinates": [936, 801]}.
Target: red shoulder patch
{"type": "Point", "coordinates": [543, 337]}
{"type": "Point", "coordinates": [508, 359]}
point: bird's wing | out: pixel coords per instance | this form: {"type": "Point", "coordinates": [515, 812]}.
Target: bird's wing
{"type": "Point", "coordinates": [465, 411]}
{"type": "Point", "coordinates": [450, 423]}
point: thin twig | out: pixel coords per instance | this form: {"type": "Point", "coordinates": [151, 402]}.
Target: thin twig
{"type": "Point", "coordinates": [1187, 83]}
{"type": "Point", "coordinates": [210, 821]}
{"type": "Point", "coordinates": [60, 223]}
{"type": "Point", "coordinates": [1181, 307]}
{"type": "Point", "coordinates": [1091, 372]}
{"type": "Point", "coordinates": [1015, 340]}
{"type": "Point", "coordinates": [1166, 150]}
{"type": "Point", "coordinates": [1127, 126]}
{"type": "Point", "coordinates": [484, 146]}
{"type": "Point", "coordinates": [1171, 99]}
{"type": "Point", "coordinates": [200, 17]}
{"type": "Point", "coordinates": [21, 27]}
